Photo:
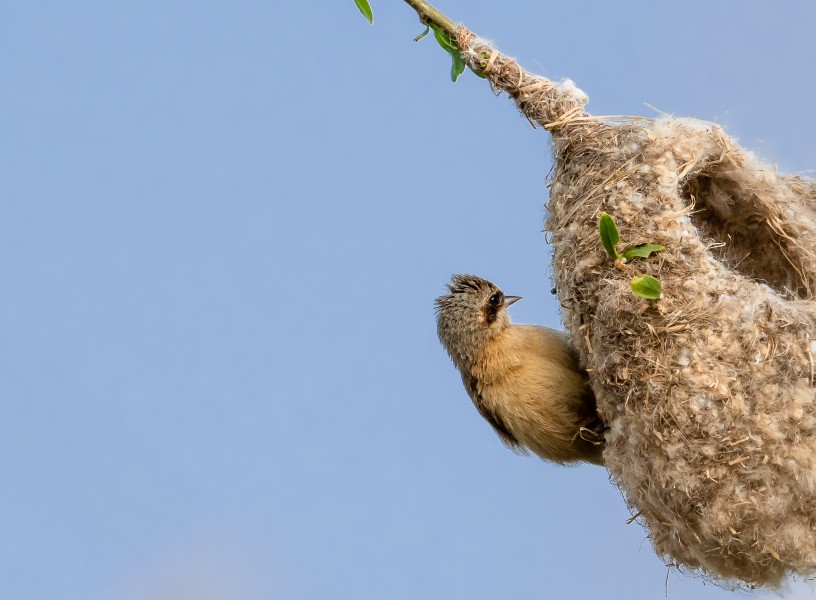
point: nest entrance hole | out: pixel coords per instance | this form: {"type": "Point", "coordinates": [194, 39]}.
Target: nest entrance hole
{"type": "Point", "coordinates": [745, 233]}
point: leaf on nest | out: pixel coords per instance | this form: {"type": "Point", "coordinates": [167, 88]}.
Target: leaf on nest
{"type": "Point", "coordinates": [609, 235]}
{"type": "Point", "coordinates": [647, 287]}
{"type": "Point", "coordinates": [642, 251]}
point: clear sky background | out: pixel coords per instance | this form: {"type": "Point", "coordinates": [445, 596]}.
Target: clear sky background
{"type": "Point", "coordinates": [222, 228]}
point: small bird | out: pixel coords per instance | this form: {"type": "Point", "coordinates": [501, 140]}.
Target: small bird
{"type": "Point", "coordinates": [525, 380]}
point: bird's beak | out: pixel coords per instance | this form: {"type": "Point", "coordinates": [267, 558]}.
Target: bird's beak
{"type": "Point", "coordinates": [508, 300]}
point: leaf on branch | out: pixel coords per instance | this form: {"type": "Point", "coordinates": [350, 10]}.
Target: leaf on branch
{"type": "Point", "coordinates": [365, 9]}
{"type": "Point", "coordinates": [449, 45]}
{"type": "Point", "coordinates": [423, 34]}
{"type": "Point", "coordinates": [477, 73]}
{"type": "Point", "coordinates": [458, 66]}
{"type": "Point", "coordinates": [647, 287]}
{"type": "Point", "coordinates": [446, 41]}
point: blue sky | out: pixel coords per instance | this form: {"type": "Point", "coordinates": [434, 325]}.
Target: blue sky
{"type": "Point", "coordinates": [223, 226]}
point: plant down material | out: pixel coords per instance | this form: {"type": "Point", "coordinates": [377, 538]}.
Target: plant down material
{"type": "Point", "coordinates": [709, 391]}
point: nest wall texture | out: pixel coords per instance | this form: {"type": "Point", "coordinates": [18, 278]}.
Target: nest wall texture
{"type": "Point", "coordinates": [709, 392]}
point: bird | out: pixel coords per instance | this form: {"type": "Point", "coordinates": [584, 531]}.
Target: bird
{"type": "Point", "coordinates": [525, 380]}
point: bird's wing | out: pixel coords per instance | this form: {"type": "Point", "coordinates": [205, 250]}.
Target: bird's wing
{"type": "Point", "coordinates": [490, 415]}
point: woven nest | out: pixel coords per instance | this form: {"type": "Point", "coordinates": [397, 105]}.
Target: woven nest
{"type": "Point", "coordinates": [708, 392]}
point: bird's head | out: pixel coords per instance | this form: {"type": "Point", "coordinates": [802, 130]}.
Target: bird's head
{"type": "Point", "coordinates": [472, 312]}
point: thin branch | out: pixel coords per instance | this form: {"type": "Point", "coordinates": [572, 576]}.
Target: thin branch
{"type": "Point", "coordinates": [540, 100]}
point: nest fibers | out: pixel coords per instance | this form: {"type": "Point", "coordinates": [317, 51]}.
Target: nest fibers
{"type": "Point", "coordinates": [709, 392]}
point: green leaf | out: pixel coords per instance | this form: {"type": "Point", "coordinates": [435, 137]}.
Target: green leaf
{"type": "Point", "coordinates": [642, 251]}
{"type": "Point", "coordinates": [423, 34]}
{"type": "Point", "coordinates": [458, 66]}
{"type": "Point", "coordinates": [365, 8]}
{"type": "Point", "coordinates": [446, 41]}
{"type": "Point", "coordinates": [477, 73]}
{"type": "Point", "coordinates": [448, 44]}
{"type": "Point", "coordinates": [609, 235]}
{"type": "Point", "coordinates": [485, 57]}
{"type": "Point", "coordinates": [646, 286]}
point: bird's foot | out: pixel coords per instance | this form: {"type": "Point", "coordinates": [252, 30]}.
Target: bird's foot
{"type": "Point", "coordinates": [590, 435]}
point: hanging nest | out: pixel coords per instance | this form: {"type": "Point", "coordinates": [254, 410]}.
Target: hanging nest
{"type": "Point", "coordinates": [709, 391]}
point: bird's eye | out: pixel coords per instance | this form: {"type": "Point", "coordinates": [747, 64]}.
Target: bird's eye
{"type": "Point", "coordinates": [496, 299]}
